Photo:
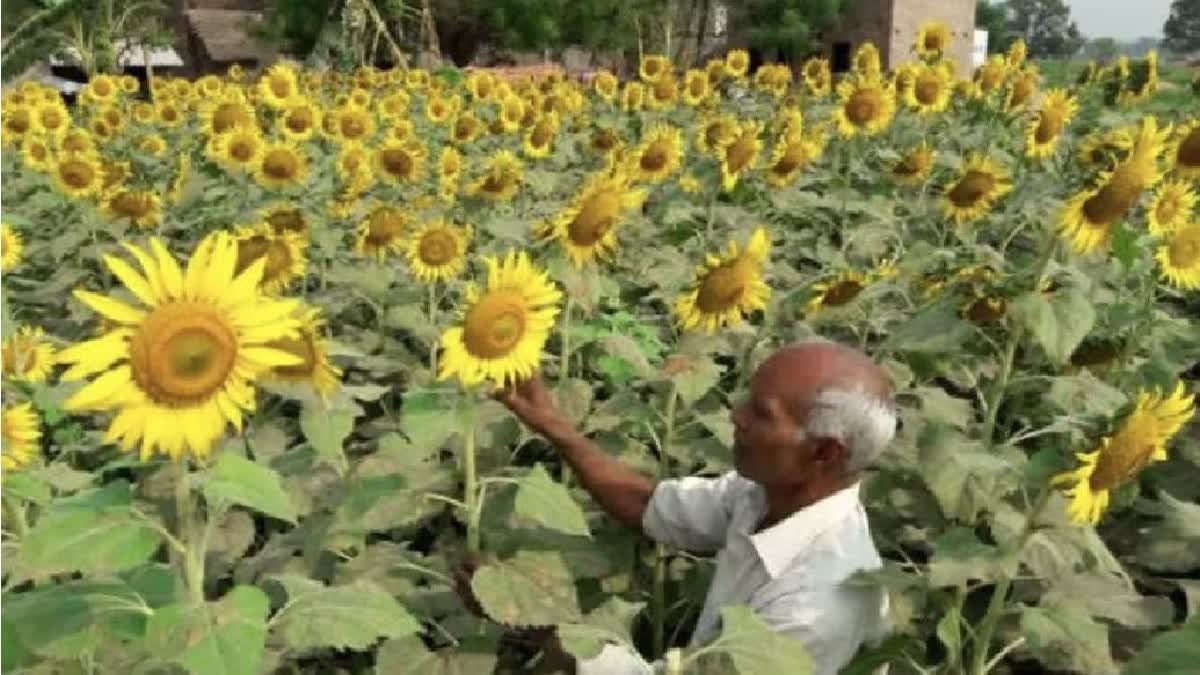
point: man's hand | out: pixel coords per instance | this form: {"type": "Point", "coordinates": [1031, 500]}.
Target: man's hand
{"type": "Point", "coordinates": [531, 401]}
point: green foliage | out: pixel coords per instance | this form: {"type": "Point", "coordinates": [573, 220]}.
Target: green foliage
{"type": "Point", "coordinates": [993, 17]}
{"type": "Point", "coordinates": [1046, 27]}
{"type": "Point", "coordinates": [790, 28]}
{"type": "Point", "coordinates": [1181, 31]}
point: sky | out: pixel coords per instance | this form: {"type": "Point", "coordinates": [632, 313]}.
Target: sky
{"type": "Point", "coordinates": [1120, 19]}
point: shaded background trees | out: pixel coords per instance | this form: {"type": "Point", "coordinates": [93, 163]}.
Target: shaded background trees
{"type": "Point", "coordinates": [1181, 32]}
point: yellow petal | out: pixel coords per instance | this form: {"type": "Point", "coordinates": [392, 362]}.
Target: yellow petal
{"type": "Point", "coordinates": [136, 283]}
{"type": "Point", "coordinates": [110, 308]}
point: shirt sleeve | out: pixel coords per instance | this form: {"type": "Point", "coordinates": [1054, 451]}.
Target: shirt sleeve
{"type": "Point", "coordinates": [692, 513]}
{"type": "Point", "coordinates": [617, 660]}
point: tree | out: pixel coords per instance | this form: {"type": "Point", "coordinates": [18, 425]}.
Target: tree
{"type": "Point", "coordinates": [1103, 49]}
{"type": "Point", "coordinates": [1046, 27]}
{"type": "Point", "coordinates": [790, 28]}
{"type": "Point", "coordinates": [1181, 32]}
{"type": "Point", "coordinates": [993, 17]}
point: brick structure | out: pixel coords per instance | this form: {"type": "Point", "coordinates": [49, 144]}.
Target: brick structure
{"type": "Point", "coordinates": [892, 26]}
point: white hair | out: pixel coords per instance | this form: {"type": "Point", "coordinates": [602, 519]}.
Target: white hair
{"type": "Point", "coordinates": [861, 421]}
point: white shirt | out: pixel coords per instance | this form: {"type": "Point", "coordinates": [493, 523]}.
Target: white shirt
{"type": "Point", "coordinates": [791, 573]}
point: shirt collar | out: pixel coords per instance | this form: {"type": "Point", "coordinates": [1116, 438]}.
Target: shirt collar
{"type": "Point", "coordinates": [778, 545]}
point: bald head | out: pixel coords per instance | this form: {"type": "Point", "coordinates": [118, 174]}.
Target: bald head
{"type": "Point", "coordinates": [810, 367]}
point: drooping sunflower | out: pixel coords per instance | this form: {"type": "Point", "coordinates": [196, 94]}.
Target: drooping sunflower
{"type": "Point", "coordinates": [139, 208]}
{"type": "Point", "coordinates": [505, 325]}
{"type": "Point", "coordinates": [790, 155]}
{"type": "Point", "coordinates": [281, 165]}
{"type": "Point", "coordinates": [181, 368]}
{"type": "Point", "coordinates": [741, 154]}
{"type": "Point", "coordinates": [696, 89]}
{"type": "Point", "coordinates": [540, 137]}
{"type": "Point", "coordinates": [865, 105]}
{"type": "Point", "coordinates": [19, 435]}
{"type": "Point", "coordinates": [437, 250]}
{"type": "Point", "coordinates": [11, 247]}
{"type": "Point", "coordinates": [865, 63]}
{"type": "Point", "coordinates": [314, 368]}
{"type": "Point", "coordinates": [587, 229]}
{"type": "Point", "coordinates": [727, 286]}
{"type": "Point", "coordinates": [501, 177]}
{"type": "Point", "coordinates": [285, 218]}
{"type": "Point", "coordinates": [817, 76]}
{"type": "Point", "coordinates": [1021, 89]}
{"type": "Point", "coordinates": [278, 85]}
{"type": "Point", "coordinates": [737, 63]}
{"type": "Point", "coordinates": [27, 356]}
{"type": "Point", "coordinates": [980, 183]}
{"type": "Point", "coordinates": [933, 39]}
{"type": "Point", "coordinates": [689, 184]}
{"type": "Point", "coordinates": [653, 66]}
{"type": "Point", "coordinates": [838, 290]}
{"type": "Point", "coordinates": [283, 253]}
{"type": "Point", "coordinates": [1016, 53]}
{"type": "Point", "coordinates": [1046, 126]}
{"type": "Point", "coordinates": [1087, 218]}
{"type": "Point", "coordinates": [450, 164]}
{"type": "Point", "coordinates": [399, 162]}
{"type": "Point", "coordinates": [77, 175]}
{"type": "Point", "coordinates": [1179, 256]}
{"type": "Point", "coordinates": [929, 91]}
{"type": "Point", "coordinates": [381, 232]}
{"type": "Point", "coordinates": [990, 76]}
{"type": "Point", "coordinates": [715, 132]}
{"type": "Point", "coordinates": [1140, 440]}
{"type": "Point", "coordinates": [658, 154]}
{"type": "Point", "coordinates": [915, 165]}
{"type": "Point", "coordinates": [1171, 206]}
{"type": "Point", "coordinates": [1184, 152]}
{"type": "Point", "coordinates": [1105, 149]}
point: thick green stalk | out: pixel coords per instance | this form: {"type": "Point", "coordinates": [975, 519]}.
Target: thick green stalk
{"type": "Point", "coordinates": [471, 480]}
{"type": "Point", "coordinates": [660, 554]}
{"type": "Point", "coordinates": [192, 560]}
{"type": "Point", "coordinates": [433, 349]}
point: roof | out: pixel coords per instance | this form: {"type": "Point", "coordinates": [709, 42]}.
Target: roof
{"type": "Point", "coordinates": [225, 33]}
{"type": "Point", "coordinates": [128, 54]}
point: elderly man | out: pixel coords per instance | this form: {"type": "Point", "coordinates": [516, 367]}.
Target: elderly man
{"type": "Point", "coordinates": [787, 525]}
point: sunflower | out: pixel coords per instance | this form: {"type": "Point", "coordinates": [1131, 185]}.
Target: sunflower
{"type": "Point", "coordinates": [481, 84]}
{"type": "Point", "coordinates": [791, 154]}
{"type": "Point", "coordinates": [466, 128]}
{"type": "Point", "coordinates": [689, 184]}
{"type": "Point", "coordinates": [152, 144]}
{"type": "Point", "coordinates": [865, 105]}
{"type": "Point", "coordinates": [77, 175]}
{"type": "Point", "coordinates": [1046, 126]}
{"type": "Point", "coordinates": [101, 88]}
{"type": "Point", "coordinates": [137, 207]}
{"type": "Point", "coordinates": [1184, 152]}
{"type": "Point", "coordinates": [19, 436]}
{"type": "Point", "coordinates": [1140, 440]}
{"type": "Point", "coordinates": [1105, 149]}
{"type": "Point", "coordinates": [394, 105]}
{"type": "Point", "coordinates": [278, 85]}
{"type": "Point", "coordinates": [1087, 217]}
{"type": "Point", "coordinates": [27, 355]}
{"type": "Point", "coordinates": [587, 228]}
{"type": "Point", "coordinates": [990, 76]}
{"type": "Point", "coordinates": [980, 183]}
{"type": "Point", "coordinates": [299, 119]}
{"type": "Point", "coordinates": [540, 137]}
{"type": "Point", "coordinates": [180, 369]}
{"type": "Point", "coordinates": [52, 117]}
{"type": "Point", "coordinates": [933, 39]}
{"type": "Point", "coordinates": [737, 63]}
{"type": "Point", "coordinates": [605, 84]}
{"type": "Point", "coordinates": [1016, 53]}
{"type": "Point", "coordinates": [915, 165]}
{"type": "Point", "coordinates": [352, 124]}
{"type": "Point", "coordinates": [225, 114]}
{"type": "Point", "coordinates": [653, 66]}
{"type": "Point", "coordinates": [1179, 256]}
{"type": "Point", "coordinates": [633, 96]}
{"type": "Point", "coordinates": [658, 154]}
{"type": "Point", "coordinates": [438, 109]}
{"type": "Point", "coordinates": [817, 76]}
{"type": "Point", "coordinates": [839, 290]}
{"type": "Point", "coordinates": [399, 162]}
{"type": "Point", "coordinates": [35, 153]}
{"type": "Point", "coordinates": [381, 232]}
{"type": "Point", "coordinates": [505, 325]}
{"type": "Point", "coordinates": [281, 165]}
{"type": "Point", "coordinates": [77, 140]}
{"type": "Point", "coordinates": [237, 149]}
{"type": "Point", "coordinates": [314, 368]}
{"type": "Point", "coordinates": [1172, 206]}
{"type": "Point", "coordinates": [1021, 89]}
{"type": "Point", "coordinates": [512, 112]}
{"type": "Point", "coordinates": [17, 122]}
{"type": "Point", "coordinates": [865, 62]}
{"type": "Point", "coordinates": [168, 114]}
{"type": "Point", "coordinates": [740, 155]}
{"type": "Point", "coordinates": [501, 177]}
{"type": "Point", "coordinates": [715, 132]}
{"type": "Point", "coordinates": [437, 250]}
{"type": "Point", "coordinates": [11, 246]}
{"type": "Point", "coordinates": [929, 90]}
{"type": "Point", "coordinates": [663, 93]}
{"type": "Point", "coordinates": [727, 287]}
{"type": "Point", "coordinates": [283, 253]}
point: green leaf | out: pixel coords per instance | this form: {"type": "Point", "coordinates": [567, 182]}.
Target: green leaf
{"type": "Point", "coordinates": [695, 378]}
{"type": "Point", "coordinates": [533, 588]}
{"type": "Point", "coordinates": [234, 632]}
{"type": "Point", "coordinates": [940, 407]}
{"type": "Point", "coordinates": [965, 478]}
{"type": "Point", "coordinates": [609, 622]}
{"type": "Point", "coordinates": [935, 329]}
{"type": "Point", "coordinates": [1067, 638]}
{"type": "Point", "coordinates": [959, 557]}
{"type": "Point", "coordinates": [756, 649]}
{"type": "Point", "coordinates": [327, 431]}
{"type": "Point", "coordinates": [1059, 323]}
{"type": "Point", "coordinates": [84, 540]}
{"type": "Point", "coordinates": [238, 480]}
{"type": "Point", "coordinates": [542, 501]}
{"type": "Point", "coordinates": [1173, 653]}
{"type": "Point", "coordinates": [1124, 245]}
{"type": "Point", "coordinates": [352, 617]}
{"type": "Point", "coordinates": [26, 486]}
{"type": "Point", "coordinates": [409, 655]}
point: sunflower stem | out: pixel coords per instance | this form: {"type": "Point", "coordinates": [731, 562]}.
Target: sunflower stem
{"type": "Point", "coordinates": [192, 560]}
{"type": "Point", "coordinates": [470, 478]}
{"type": "Point", "coordinates": [16, 512]}
{"type": "Point", "coordinates": [433, 348]}
{"type": "Point", "coordinates": [564, 368]}
{"type": "Point", "coordinates": [660, 552]}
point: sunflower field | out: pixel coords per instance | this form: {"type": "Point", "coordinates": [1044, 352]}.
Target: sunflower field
{"type": "Point", "coordinates": [252, 325]}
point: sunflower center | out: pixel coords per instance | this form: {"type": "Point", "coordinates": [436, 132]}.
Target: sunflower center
{"type": "Point", "coordinates": [287, 220]}
{"type": "Point", "coordinates": [280, 165]}
{"type": "Point", "coordinates": [933, 42]}
{"type": "Point", "coordinates": [385, 226]}
{"type": "Point", "coordinates": [463, 129]}
{"type": "Point", "coordinates": [596, 217]}
{"type": "Point", "coordinates": [912, 165]}
{"type": "Point", "coordinates": [77, 174]}
{"type": "Point", "coordinates": [540, 136]}
{"type": "Point", "coordinates": [1184, 249]}
{"type": "Point", "coordinates": [280, 86]}
{"type": "Point", "coordinates": [226, 117]}
{"type": "Point", "coordinates": [353, 126]}
{"type": "Point", "coordinates": [1126, 454]}
{"type": "Point", "coordinates": [841, 293]}
{"type": "Point", "coordinates": [740, 153]}
{"type": "Point", "coordinates": [697, 87]}
{"type": "Point", "coordinates": [655, 157]}
{"type": "Point", "coordinates": [242, 150]}
{"type": "Point", "coordinates": [38, 151]}
{"type": "Point", "coordinates": [971, 188]}
{"type": "Point", "coordinates": [437, 248]}
{"type": "Point", "coordinates": [1188, 154]}
{"type": "Point", "coordinates": [1112, 201]}
{"type": "Point", "coordinates": [927, 89]}
{"type": "Point", "coordinates": [863, 106]}
{"type": "Point", "coordinates": [299, 121]}
{"type": "Point", "coordinates": [793, 158]}
{"type": "Point", "coordinates": [723, 286]}
{"type": "Point", "coordinates": [132, 205]}
{"type": "Point", "coordinates": [715, 134]}
{"type": "Point", "coordinates": [1021, 91]}
{"type": "Point", "coordinates": [1050, 125]}
{"type": "Point", "coordinates": [397, 162]}
{"type": "Point", "coordinates": [183, 353]}
{"type": "Point", "coordinates": [495, 324]}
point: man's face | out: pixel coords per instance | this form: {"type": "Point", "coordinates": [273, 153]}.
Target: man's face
{"type": "Point", "coordinates": [767, 448]}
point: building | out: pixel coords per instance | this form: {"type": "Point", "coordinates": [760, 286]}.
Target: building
{"type": "Point", "coordinates": [215, 34]}
{"type": "Point", "coordinates": [892, 25]}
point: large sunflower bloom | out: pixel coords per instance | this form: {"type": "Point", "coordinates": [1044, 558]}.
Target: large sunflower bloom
{"type": "Point", "coordinates": [299, 119]}
{"type": "Point", "coordinates": [281, 165]}
{"type": "Point", "coordinates": [27, 356]}
{"type": "Point", "coordinates": [278, 85]}
{"type": "Point", "coordinates": [865, 105]}
{"type": "Point", "coordinates": [1087, 218]}
{"type": "Point", "coordinates": [1179, 256]}
{"type": "Point", "coordinates": [980, 183]}
{"type": "Point", "coordinates": [1172, 206]}
{"type": "Point", "coordinates": [283, 253]}
{"type": "Point", "coordinates": [501, 177]}
{"type": "Point", "coordinates": [11, 246]}
{"type": "Point", "coordinates": [19, 435]}
{"type": "Point", "coordinates": [740, 155]}
{"type": "Point", "coordinates": [933, 39]}
{"type": "Point", "coordinates": [381, 232]}
{"type": "Point", "coordinates": [314, 368]}
{"type": "Point", "coordinates": [588, 227]}
{"type": "Point", "coordinates": [180, 369]}
{"type": "Point", "coordinates": [1046, 126]}
{"type": "Point", "coordinates": [658, 155]}
{"type": "Point", "coordinates": [990, 76]}
{"type": "Point", "coordinates": [1140, 440]}
{"type": "Point", "coordinates": [727, 287]}
{"type": "Point", "coordinates": [929, 90]}
{"type": "Point", "coordinates": [437, 250]}
{"type": "Point", "coordinates": [77, 175]}
{"type": "Point", "coordinates": [915, 165]}
{"type": "Point", "coordinates": [505, 325]}
{"type": "Point", "coordinates": [1184, 152]}
{"type": "Point", "coordinates": [716, 132]}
